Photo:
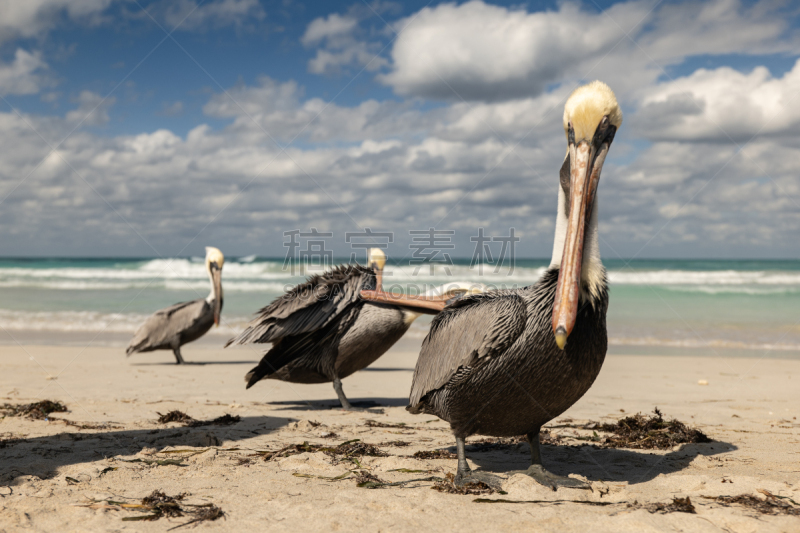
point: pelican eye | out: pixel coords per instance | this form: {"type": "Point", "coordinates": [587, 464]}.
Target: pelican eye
{"type": "Point", "coordinates": [605, 132]}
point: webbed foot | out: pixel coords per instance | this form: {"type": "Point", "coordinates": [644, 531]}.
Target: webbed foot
{"type": "Point", "coordinates": [548, 479]}
{"type": "Point", "coordinates": [465, 478]}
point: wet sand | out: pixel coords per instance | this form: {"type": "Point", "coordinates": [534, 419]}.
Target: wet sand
{"type": "Point", "coordinates": [51, 472]}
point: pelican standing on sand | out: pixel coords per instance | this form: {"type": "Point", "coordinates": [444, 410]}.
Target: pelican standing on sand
{"type": "Point", "coordinates": [322, 331]}
{"type": "Point", "coordinates": [506, 362]}
{"type": "Point", "coordinates": [171, 328]}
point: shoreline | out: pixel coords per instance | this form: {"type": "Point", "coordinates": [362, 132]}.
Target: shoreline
{"type": "Point", "coordinates": [410, 342]}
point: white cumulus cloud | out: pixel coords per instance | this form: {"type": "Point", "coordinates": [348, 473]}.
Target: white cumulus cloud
{"type": "Point", "coordinates": [23, 75]}
{"type": "Point", "coordinates": [478, 51]}
{"type": "Point", "coordinates": [334, 25]}
{"type": "Point", "coordinates": [340, 45]}
{"type": "Point", "coordinates": [723, 105]}
{"type": "Point", "coordinates": [32, 18]}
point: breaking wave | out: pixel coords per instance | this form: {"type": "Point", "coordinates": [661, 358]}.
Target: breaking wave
{"type": "Point", "coordinates": [251, 275]}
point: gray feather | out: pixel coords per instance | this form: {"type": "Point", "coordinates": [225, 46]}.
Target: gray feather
{"type": "Point", "coordinates": [491, 366]}
{"type": "Point", "coordinates": [467, 333]}
{"type": "Point", "coordinates": [309, 306]}
{"type": "Point", "coordinates": [172, 327]}
{"type": "Point", "coordinates": [322, 329]}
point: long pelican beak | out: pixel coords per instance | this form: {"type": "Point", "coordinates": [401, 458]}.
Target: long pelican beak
{"type": "Point", "coordinates": [216, 280]}
{"type": "Point", "coordinates": [429, 305]}
{"type": "Point", "coordinates": [586, 162]}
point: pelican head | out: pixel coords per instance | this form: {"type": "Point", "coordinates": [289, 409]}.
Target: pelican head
{"type": "Point", "coordinates": [214, 262]}
{"type": "Point", "coordinates": [591, 118]}
{"type": "Point", "coordinates": [377, 260]}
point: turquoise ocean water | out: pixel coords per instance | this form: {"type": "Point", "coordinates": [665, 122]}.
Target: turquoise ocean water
{"type": "Point", "coordinates": [658, 306]}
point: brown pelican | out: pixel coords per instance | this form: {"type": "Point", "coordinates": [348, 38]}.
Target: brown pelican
{"type": "Point", "coordinates": [171, 328]}
{"type": "Point", "coordinates": [322, 331]}
{"type": "Point", "coordinates": [506, 362]}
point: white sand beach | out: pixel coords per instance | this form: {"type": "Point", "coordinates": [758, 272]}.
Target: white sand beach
{"type": "Point", "coordinates": [55, 477]}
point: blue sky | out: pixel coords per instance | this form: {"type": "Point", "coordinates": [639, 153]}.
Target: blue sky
{"type": "Point", "coordinates": [253, 118]}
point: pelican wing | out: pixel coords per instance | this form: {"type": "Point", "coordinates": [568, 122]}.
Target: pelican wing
{"type": "Point", "coordinates": [316, 348]}
{"type": "Point", "coordinates": [163, 327]}
{"type": "Point", "coordinates": [309, 306]}
{"type": "Point", "coordinates": [467, 333]}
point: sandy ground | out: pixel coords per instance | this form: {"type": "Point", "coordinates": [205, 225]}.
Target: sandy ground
{"type": "Point", "coordinates": [51, 473]}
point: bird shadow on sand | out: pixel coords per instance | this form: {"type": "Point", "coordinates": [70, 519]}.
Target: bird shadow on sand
{"type": "Point", "coordinates": [596, 464]}
{"type": "Point", "coordinates": [42, 456]}
{"type": "Point", "coordinates": [390, 369]}
{"type": "Point", "coordinates": [322, 405]}
{"type": "Point", "coordinates": [196, 363]}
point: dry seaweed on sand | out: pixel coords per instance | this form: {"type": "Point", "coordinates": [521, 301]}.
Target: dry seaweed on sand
{"type": "Point", "coordinates": [327, 478]}
{"type": "Point", "coordinates": [42, 411]}
{"type": "Point", "coordinates": [159, 462]}
{"type": "Point", "coordinates": [449, 486]}
{"type": "Point", "coordinates": [36, 411]}
{"type": "Point", "coordinates": [347, 449]}
{"type": "Point", "coordinates": [182, 418]}
{"type": "Point", "coordinates": [375, 424]}
{"type": "Point", "coordinates": [208, 512]}
{"type": "Point", "coordinates": [545, 502]}
{"type": "Point", "coordinates": [191, 451]}
{"type": "Point", "coordinates": [356, 448]}
{"type": "Point", "coordinates": [85, 425]}
{"type": "Point", "coordinates": [174, 416]}
{"type": "Point", "coordinates": [772, 504]}
{"type": "Point", "coordinates": [291, 449]}
{"type": "Point", "coordinates": [366, 480]}
{"type": "Point", "coordinates": [224, 420]}
{"type": "Point", "coordinates": [654, 432]}
{"type": "Point", "coordinates": [434, 454]}
{"type": "Point", "coordinates": [677, 505]}
{"type": "Point", "coordinates": [160, 505]}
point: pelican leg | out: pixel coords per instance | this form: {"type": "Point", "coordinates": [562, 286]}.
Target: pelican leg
{"type": "Point", "coordinates": [463, 468]}
{"type": "Point", "coordinates": [178, 358]}
{"type": "Point", "coordinates": [465, 475]}
{"type": "Point", "coordinates": [346, 405]}
{"type": "Point", "coordinates": [548, 479]}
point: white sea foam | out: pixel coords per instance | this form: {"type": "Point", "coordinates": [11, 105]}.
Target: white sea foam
{"type": "Point", "coordinates": [694, 343]}
{"type": "Point", "coordinates": [707, 278]}
{"type": "Point", "coordinates": [92, 321]}
{"type": "Point", "coordinates": [248, 275]}
{"type": "Point", "coordinates": [759, 290]}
